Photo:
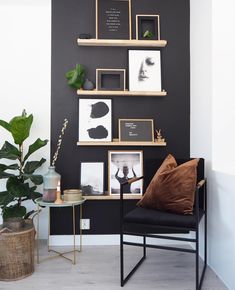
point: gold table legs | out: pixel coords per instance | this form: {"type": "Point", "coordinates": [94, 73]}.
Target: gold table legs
{"type": "Point", "coordinates": [61, 254]}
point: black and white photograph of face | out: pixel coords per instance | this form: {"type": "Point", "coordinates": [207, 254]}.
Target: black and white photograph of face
{"type": "Point", "coordinates": [123, 166]}
{"type": "Point", "coordinates": [92, 178]}
{"type": "Point", "coordinates": [144, 70]}
{"type": "Point", "coordinates": [95, 120]}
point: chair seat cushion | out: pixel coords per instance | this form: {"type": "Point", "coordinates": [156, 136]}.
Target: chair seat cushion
{"type": "Point", "coordinates": [161, 218]}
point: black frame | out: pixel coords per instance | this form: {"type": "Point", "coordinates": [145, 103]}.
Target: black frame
{"type": "Point", "coordinates": [102, 73]}
{"type": "Point", "coordinates": [101, 20]}
{"type": "Point", "coordinates": [103, 191]}
{"type": "Point", "coordinates": [200, 202]}
{"type": "Point", "coordinates": [153, 22]}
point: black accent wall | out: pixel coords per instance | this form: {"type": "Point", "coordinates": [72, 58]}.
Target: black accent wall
{"type": "Point", "coordinates": [170, 113]}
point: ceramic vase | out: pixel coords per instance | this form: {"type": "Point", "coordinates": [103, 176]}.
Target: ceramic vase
{"type": "Point", "coordinates": [50, 182]}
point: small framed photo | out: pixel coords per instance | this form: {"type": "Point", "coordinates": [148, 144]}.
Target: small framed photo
{"type": "Point", "coordinates": [148, 27]}
{"type": "Point", "coordinates": [113, 19]}
{"type": "Point", "coordinates": [95, 120]}
{"type": "Point", "coordinates": [136, 130]}
{"type": "Point", "coordinates": [123, 166]}
{"type": "Point", "coordinates": [145, 70]}
{"type": "Point", "coordinates": [111, 79]}
{"type": "Point", "coordinates": [92, 178]}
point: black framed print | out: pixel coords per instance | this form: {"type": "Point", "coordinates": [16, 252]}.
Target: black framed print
{"type": "Point", "coordinates": [147, 27]}
{"type": "Point", "coordinates": [113, 19]}
{"type": "Point", "coordinates": [95, 120]}
{"type": "Point", "coordinates": [110, 79]}
{"type": "Point", "coordinates": [136, 130]}
{"type": "Point", "coordinates": [123, 166]}
{"type": "Point", "coordinates": [145, 70]}
{"type": "Point", "coordinates": [92, 178]}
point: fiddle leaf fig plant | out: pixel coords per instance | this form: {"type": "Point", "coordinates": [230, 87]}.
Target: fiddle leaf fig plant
{"type": "Point", "coordinates": [19, 172]}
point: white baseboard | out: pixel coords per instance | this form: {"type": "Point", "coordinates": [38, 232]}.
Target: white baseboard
{"type": "Point", "coordinates": [67, 240]}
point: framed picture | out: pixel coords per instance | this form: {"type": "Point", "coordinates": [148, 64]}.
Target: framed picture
{"type": "Point", "coordinates": [110, 79]}
{"type": "Point", "coordinates": [92, 178]}
{"type": "Point", "coordinates": [123, 166]}
{"type": "Point", "coordinates": [95, 120]}
{"type": "Point", "coordinates": [147, 27]}
{"type": "Point", "coordinates": [145, 70]}
{"type": "Point", "coordinates": [136, 130]}
{"type": "Point", "coordinates": [113, 19]}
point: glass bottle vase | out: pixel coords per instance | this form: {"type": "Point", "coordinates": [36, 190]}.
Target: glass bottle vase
{"type": "Point", "coordinates": [50, 182]}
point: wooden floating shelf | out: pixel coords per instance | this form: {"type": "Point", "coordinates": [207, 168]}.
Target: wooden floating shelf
{"type": "Point", "coordinates": [122, 42]}
{"type": "Point", "coordinates": [119, 143]}
{"type": "Point", "coordinates": [120, 93]}
{"type": "Point", "coordinates": [112, 197]}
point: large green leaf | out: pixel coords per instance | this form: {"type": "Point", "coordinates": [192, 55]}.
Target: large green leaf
{"type": "Point", "coordinates": [36, 179]}
{"type": "Point", "coordinates": [35, 195]}
{"type": "Point", "coordinates": [35, 146]}
{"type": "Point", "coordinates": [9, 151]}
{"type": "Point", "coordinates": [20, 128]}
{"type": "Point", "coordinates": [5, 198]}
{"type": "Point", "coordinates": [4, 167]}
{"type": "Point", "coordinates": [16, 187]}
{"type": "Point", "coordinates": [14, 211]}
{"type": "Point", "coordinates": [31, 166]}
{"type": "Point", "coordinates": [5, 125]}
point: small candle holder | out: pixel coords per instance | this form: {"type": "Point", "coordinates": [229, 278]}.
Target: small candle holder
{"type": "Point", "coordinates": [58, 195]}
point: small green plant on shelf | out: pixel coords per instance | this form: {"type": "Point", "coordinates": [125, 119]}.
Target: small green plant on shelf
{"type": "Point", "coordinates": [148, 34]}
{"type": "Point", "coordinates": [76, 77]}
{"type": "Point", "coordinates": [22, 181]}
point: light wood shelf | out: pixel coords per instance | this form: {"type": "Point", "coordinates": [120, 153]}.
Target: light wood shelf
{"type": "Point", "coordinates": [112, 197]}
{"type": "Point", "coordinates": [115, 142]}
{"type": "Point", "coordinates": [120, 93]}
{"type": "Point", "coordinates": [122, 42]}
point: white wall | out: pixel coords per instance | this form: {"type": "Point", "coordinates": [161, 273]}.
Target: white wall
{"type": "Point", "coordinates": [25, 68]}
{"type": "Point", "coordinates": [212, 123]}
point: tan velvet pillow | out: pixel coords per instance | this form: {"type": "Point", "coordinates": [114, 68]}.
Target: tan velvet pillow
{"type": "Point", "coordinates": [172, 188]}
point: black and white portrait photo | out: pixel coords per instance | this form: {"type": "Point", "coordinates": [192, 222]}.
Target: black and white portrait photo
{"type": "Point", "coordinates": [92, 178]}
{"type": "Point", "coordinates": [145, 70]}
{"type": "Point", "coordinates": [95, 120]}
{"type": "Point", "coordinates": [123, 166]}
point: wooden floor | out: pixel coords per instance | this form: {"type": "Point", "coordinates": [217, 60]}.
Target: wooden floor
{"type": "Point", "coordinates": [97, 268]}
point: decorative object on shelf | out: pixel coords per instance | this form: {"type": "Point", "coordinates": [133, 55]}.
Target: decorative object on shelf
{"type": "Point", "coordinates": [51, 180]}
{"type": "Point", "coordinates": [145, 70]}
{"type": "Point", "coordinates": [111, 79]}
{"type": "Point", "coordinates": [92, 184]}
{"type": "Point", "coordinates": [113, 19]}
{"type": "Point", "coordinates": [58, 195]}
{"type": "Point", "coordinates": [136, 130]}
{"type": "Point", "coordinates": [84, 36]}
{"type": "Point", "coordinates": [123, 166]}
{"type": "Point", "coordinates": [22, 182]}
{"type": "Point", "coordinates": [147, 27]}
{"type": "Point", "coordinates": [76, 77]}
{"type": "Point", "coordinates": [72, 195]}
{"type": "Point", "coordinates": [88, 85]}
{"type": "Point", "coordinates": [95, 120]}
{"type": "Point", "coordinates": [159, 136]}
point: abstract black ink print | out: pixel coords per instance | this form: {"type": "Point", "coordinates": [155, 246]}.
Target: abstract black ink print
{"type": "Point", "coordinates": [99, 132]}
{"type": "Point", "coordinates": [99, 110]}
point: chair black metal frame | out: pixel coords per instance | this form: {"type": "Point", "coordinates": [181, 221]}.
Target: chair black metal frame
{"type": "Point", "coordinates": [200, 203]}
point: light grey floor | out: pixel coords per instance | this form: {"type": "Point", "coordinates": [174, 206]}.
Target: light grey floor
{"type": "Point", "coordinates": [97, 268]}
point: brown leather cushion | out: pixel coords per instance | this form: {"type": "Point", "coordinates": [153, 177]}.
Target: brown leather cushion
{"type": "Point", "coordinates": [172, 187]}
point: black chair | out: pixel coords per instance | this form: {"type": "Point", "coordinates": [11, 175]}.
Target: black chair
{"type": "Point", "coordinates": [151, 223]}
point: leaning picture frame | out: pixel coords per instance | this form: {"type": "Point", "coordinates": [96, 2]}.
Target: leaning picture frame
{"type": "Point", "coordinates": [148, 27]}
{"type": "Point", "coordinates": [124, 165]}
{"type": "Point", "coordinates": [136, 130]}
{"type": "Point", "coordinates": [110, 79]}
{"type": "Point", "coordinates": [95, 120]}
{"type": "Point", "coordinates": [90, 183]}
{"type": "Point", "coordinates": [145, 70]}
{"type": "Point", "coordinates": [113, 19]}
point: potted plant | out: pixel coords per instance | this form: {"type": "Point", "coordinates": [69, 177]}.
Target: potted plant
{"type": "Point", "coordinates": [19, 172]}
{"type": "Point", "coordinates": [76, 77]}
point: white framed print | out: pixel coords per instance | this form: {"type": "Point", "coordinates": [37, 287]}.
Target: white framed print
{"type": "Point", "coordinates": [95, 120]}
{"type": "Point", "coordinates": [124, 165]}
{"type": "Point", "coordinates": [145, 70]}
{"type": "Point", "coordinates": [92, 178]}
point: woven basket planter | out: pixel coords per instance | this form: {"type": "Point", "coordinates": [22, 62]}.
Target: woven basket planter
{"type": "Point", "coordinates": [17, 252]}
